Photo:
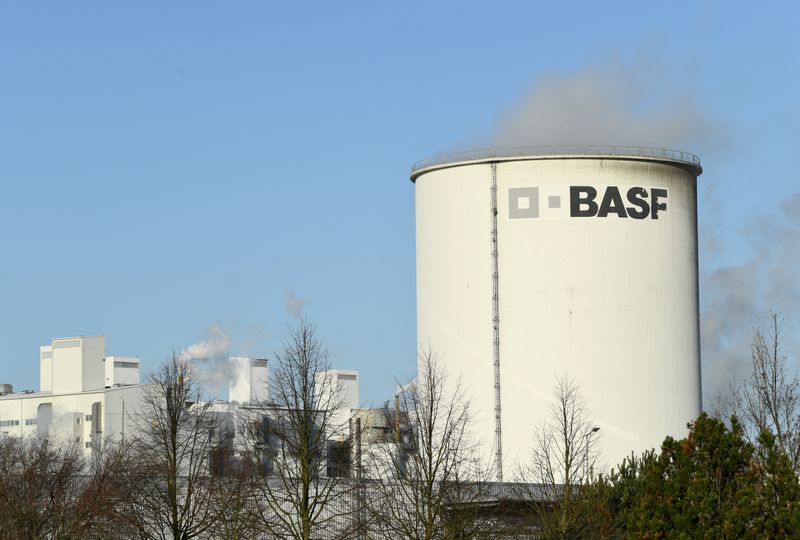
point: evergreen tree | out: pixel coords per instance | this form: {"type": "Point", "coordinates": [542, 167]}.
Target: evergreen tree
{"type": "Point", "coordinates": [712, 484]}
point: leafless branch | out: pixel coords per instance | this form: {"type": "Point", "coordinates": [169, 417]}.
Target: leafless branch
{"type": "Point", "coordinates": [290, 440]}
{"type": "Point", "coordinates": [770, 398]}
{"type": "Point", "coordinates": [175, 440]}
{"type": "Point", "coordinates": [563, 457]}
{"type": "Point", "coordinates": [430, 473]}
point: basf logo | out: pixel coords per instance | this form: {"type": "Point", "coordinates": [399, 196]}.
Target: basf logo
{"type": "Point", "coordinates": [586, 202]}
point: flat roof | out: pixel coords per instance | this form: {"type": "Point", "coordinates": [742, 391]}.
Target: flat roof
{"type": "Point", "coordinates": [488, 155]}
{"type": "Point", "coordinates": [22, 394]}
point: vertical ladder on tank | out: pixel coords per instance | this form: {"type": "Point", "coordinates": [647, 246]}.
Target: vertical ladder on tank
{"type": "Point", "coordinates": [498, 440]}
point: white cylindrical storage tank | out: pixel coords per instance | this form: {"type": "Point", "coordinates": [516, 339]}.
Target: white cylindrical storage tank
{"type": "Point", "coordinates": [579, 261]}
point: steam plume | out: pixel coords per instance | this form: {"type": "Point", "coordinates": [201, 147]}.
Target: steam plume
{"type": "Point", "coordinates": [294, 304]}
{"type": "Point", "coordinates": [738, 297]}
{"type": "Point", "coordinates": [209, 358]}
{"type": "Point", "coordinates": [648, 104]}
{"type": "Point", "coordinates": [610, 105]}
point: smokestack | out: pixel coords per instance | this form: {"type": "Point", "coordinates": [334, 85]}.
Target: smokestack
{"type": "Point", "coordinates": [248, 380]}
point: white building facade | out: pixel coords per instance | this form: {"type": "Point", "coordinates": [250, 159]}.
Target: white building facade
{"type": "Point", "coordinates": [88, 397]}
{"type": "Point", "coordinates": [84, 395]}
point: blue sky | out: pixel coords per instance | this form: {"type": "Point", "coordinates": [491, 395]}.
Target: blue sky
{"type": "Point", "coordinates": [168, 168]}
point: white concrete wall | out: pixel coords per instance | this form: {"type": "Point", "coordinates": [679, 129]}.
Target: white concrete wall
{"type": "Point", "coordinates": [46, 368]}
{"type": "Point", "coordinates": [92, 365]}
{"type": "Point", "coordinates": [379, 460]}
{"type": "Point", "coordinates": [338, 388]}
{"type": "Point", "coordinates": [77, 364]}
{"type": "Point", "coordinates": [121, 370]}
{"type": "Point", "coordinates": [122, 410]}
{"type": "Point", "coordinates": [70, 415]}
{"type": "Point", "coordinates": [67, 365]}
{"type": "Point", "coordinates": [259, 374]}
{"type": "Point", "coordinates": [454, 286]}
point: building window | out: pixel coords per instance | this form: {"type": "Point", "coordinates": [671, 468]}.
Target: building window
{"type": "Point", "coordinates": [78, 420]}
{"type": "Point", "coordinates": [87, 445]}
{"type": "Point", "coordinates": [88, 417]}
{"type": "Point", "coordinates": [67, 343]}
{"type": "Point", "coordinates": [31, 421]}
{"type": "Point", "coordinates": [126, 364]}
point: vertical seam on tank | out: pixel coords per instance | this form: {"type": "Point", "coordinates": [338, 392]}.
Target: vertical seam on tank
{"type": "Point", "coordinates": [498, 440]}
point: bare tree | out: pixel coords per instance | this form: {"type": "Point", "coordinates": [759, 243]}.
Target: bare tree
{"type": "Point", "coordinates": [430, 476]}
{"type": "Point", "coordinates": [289, 437]}
{"type": "Point", "coordinates": [234, 497]}
{"type": "Point", "coordinates": [49, 492]}
{"type": "Point", "coordinates": [171, 480]}
{"type": "Point", "coordinates": [37, 482]}
{"type": "Point", "coordinates": [562, 461]}
{"type": "Point", "coordinates": [770, 397]}
{"type": "Point", "coordinates": [107, 493]}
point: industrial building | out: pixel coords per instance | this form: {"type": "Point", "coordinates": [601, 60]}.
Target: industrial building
{"type": "Point", "coordinates": [538, 263]}
{"type": "Point", "coordinates": [84, 395]}
{"type": "Point", "coordinates": [87, 397]}
{"type": "Point", "coordinates": [532, 264]}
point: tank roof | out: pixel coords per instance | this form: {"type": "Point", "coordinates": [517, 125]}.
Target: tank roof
{"type": "Point", "coordinates": [488, 155]}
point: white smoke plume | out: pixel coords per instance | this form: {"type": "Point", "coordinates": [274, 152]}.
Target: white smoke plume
{"type": "Point", "coordinates": [294, 304]}
{"type": "Point", "coordinates": [209, 358]}
{"type": "Point", "coordinates": [737, 298]}
{"type": "Point", "coordinates": [639, 105]}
